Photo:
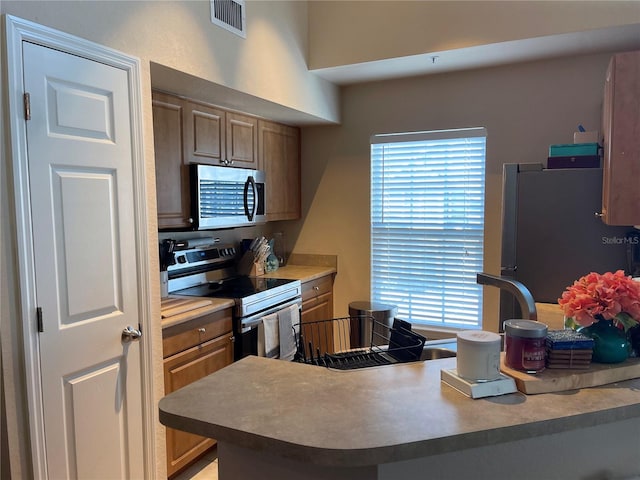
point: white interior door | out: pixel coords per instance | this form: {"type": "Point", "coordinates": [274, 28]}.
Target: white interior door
{"type": "Point", "coordinates": [81, 184]}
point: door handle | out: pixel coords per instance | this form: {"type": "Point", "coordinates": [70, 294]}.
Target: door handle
{"type": "Point", "coordinates": [129, 334]}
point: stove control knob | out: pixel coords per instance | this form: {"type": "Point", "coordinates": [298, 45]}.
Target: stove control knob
{"type": "Point", "coordinates": [181, 259]}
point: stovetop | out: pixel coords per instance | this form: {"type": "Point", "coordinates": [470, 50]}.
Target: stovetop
{"type": "Point", "coordinates": [234, 288]}
{"type": "Point", "coordinates": [209, 270]}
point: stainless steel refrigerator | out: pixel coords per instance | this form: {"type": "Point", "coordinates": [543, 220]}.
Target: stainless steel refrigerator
{"type": "Point", "coordinates": [551, 234]}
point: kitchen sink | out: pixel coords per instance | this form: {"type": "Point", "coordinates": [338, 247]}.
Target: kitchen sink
{"type": "Point", "coordinates": [434, 349]}
{"type": "Point", "coordinates": [432, 353]}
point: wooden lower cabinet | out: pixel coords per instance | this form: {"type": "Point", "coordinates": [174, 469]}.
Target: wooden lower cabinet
{"type": "Point", "coordinates": [198, 356]}
{"type": "Point", "coordinates": [317, 305]}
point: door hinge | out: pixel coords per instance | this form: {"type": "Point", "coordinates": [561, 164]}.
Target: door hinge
{"type": "Point", "coordinates": [27, 106]}
{"type": "Point", "coordinates": [39, 319]}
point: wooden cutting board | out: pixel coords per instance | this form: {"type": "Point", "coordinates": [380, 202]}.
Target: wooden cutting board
{"type": "Point", "coordinates": [175, 306]}
{"type": "Point", "coordinates": [559, 380]}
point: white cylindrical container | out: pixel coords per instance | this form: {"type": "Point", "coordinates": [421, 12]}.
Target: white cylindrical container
{"type": "Point", "coordinates": [478, 357]}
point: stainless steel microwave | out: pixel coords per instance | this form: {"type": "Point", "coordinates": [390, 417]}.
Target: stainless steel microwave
{"type": "Point", "coordinates": [225, 197]}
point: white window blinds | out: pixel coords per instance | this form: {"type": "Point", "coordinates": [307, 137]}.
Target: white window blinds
{"type": "Point", "coordinates": [427, 225]}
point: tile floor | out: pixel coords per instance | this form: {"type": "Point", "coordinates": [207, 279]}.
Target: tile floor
{"type": "Point", "coordinates": [204, 469]}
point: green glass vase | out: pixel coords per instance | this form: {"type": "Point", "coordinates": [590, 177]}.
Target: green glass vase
{"type": "Point", "coordinates": [611, 344]}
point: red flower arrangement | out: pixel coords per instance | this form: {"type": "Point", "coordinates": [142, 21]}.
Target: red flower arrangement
{"type": "Point", "coordinates": [610, 296]}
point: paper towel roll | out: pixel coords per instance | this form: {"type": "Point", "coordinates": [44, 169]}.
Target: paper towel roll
{"type": "Point", "coordinates": [478, 357]}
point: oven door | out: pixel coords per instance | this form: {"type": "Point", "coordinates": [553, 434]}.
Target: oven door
{"type": "Point", "coordinates": [246, 329]}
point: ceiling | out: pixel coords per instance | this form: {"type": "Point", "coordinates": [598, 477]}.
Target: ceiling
{"type": "Point", "coordinates": [611, 39]}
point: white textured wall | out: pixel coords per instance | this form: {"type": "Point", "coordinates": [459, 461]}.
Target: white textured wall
{"type": "Point", "coordinates": [270, 64]}
{"type": "Point", "coordinates": [368, 31]}
{"type": "Point", "coordinates": [269, 67]}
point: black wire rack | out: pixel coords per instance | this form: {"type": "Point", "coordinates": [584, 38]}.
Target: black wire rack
{"type": "Point", "coordinates": [330, 343]}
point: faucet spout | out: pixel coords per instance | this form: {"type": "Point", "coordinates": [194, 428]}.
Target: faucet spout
{"type": "Point", "coordinates": [522, 293]}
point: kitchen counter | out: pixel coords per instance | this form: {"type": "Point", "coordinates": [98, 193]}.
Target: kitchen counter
{"type": "Point", "coordinates": [304, 273]}
{"type": "Point", "coordinates": [386, 422]}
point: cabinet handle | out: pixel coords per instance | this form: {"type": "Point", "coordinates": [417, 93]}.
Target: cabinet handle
{"type": "Point", "coordinates": [599, 214]}
{"type": "Point", "coordinates": [202, 330]}
{"type": "Point", "coordinates": [316, 288]}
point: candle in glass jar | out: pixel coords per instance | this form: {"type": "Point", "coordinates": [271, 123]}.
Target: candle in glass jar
{"type": "Point", "coordinates": [525, 345]}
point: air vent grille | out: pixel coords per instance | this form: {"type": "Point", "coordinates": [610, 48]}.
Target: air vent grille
{"type": "Point", "coordinates": [229, 14]}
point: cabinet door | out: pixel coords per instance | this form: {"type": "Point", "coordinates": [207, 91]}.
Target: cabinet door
{"type": "Point", "coordinates": [621, 122]}
{"type": "Point", "coordinates": [184, 335]}
{"type": "Point", "coordinates": [181, 370]}
{"type": "Point", "coordinates": [204, 134]}
{"type": "Point", "coordinates": [279, 153]}
{"type": "Point", "coordinates": [242, 140]}
{"type": "Point", "coordinates": [172, 176]}
{"type": "Point", "coordinates": [317, 307]}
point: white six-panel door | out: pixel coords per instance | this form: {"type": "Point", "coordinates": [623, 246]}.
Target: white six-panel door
{"type": "Point", "coordinates": [82, 207]}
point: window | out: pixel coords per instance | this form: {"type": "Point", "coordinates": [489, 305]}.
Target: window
{"type": "Point", "coordinates": [427, 225]}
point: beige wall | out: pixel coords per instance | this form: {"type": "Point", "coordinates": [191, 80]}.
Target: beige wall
{"type": "Point", "coordinates": [525, 108]}
{"type": "Point", "coordinates": [389, 29]}
{"type": "Point", "coordinates": [269, 65]}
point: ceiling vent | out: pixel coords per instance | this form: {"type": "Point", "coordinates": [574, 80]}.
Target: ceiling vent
{"type": "Point", "coordinates": [229, 14]}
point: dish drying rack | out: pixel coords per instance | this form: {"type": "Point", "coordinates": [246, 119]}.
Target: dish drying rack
{"type": "Point", "coordinates": [327, 343]}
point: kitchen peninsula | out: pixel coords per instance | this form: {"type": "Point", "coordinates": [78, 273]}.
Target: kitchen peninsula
{"type": "Point", "coordinates": [284, 420]}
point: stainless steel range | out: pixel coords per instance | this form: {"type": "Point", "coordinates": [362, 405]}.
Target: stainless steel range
{"type": "Point", "coordinates": [205, 268]}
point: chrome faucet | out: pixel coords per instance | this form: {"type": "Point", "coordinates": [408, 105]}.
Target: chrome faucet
{"type": "Point", "coordinates": [522, 293]}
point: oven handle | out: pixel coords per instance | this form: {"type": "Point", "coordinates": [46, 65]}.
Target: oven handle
{"type": "Point", "coordinates": [249, 323]}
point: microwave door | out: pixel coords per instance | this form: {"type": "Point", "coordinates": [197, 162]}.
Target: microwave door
{"type": "Point", "coordinates": [250, 210]}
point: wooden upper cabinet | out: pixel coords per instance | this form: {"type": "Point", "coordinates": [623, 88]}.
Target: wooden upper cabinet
{"type": "Point", "coordinates": [187, 131]}
{"type": "Point", "coordinates": [242, 140]}
{"type": "Point", "coordinates": [204, 134]}
{"type": "Point", "coordinates": [621, 129]}
{"type": "Point", "coordinates": [279, 157]}
{"type": "Point", "coordinates": [172, 175]}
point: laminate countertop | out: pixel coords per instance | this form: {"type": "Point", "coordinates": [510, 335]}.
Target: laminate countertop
{"type": "Point", "coordinates": [378, 415]}
{"type": "Point", "coordinates": [304, 273]}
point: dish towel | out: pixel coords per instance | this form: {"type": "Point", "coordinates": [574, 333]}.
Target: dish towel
{"type": "Point", "coordinates": [268, 337]}
{"type": "Point", "coordinates": [289, 323]}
